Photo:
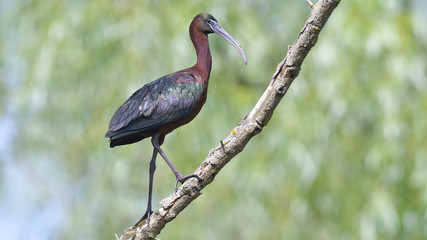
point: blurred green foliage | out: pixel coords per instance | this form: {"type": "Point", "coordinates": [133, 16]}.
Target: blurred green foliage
{"type": "Point", "coordinates": [344, 156]}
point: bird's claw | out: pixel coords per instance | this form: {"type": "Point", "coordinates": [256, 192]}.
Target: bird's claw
{"type": "Point", "coordinates": [145, 219]}
{"type": "Point", "coordinates": [182, 179]}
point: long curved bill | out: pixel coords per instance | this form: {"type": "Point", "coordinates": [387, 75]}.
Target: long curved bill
{"type": "Point", "coordinates": [224, 34]}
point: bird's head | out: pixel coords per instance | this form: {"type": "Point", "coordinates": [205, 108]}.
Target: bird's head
{"type": "Point", "coordinates": [207, 24]}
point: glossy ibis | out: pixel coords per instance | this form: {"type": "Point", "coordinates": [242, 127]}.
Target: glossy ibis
{"type": "Point", "coordinates": [169, 102]}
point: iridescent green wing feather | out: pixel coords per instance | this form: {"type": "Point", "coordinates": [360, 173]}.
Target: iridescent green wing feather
{"type": "Point", "coordinates": [164, 100]}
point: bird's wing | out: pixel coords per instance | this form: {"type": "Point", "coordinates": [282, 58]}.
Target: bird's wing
{"type": "Point", "coordinates": [166, 99]}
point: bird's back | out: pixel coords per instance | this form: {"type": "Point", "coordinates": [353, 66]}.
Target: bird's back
{"type": "Point", "coordinates": [163, 104]}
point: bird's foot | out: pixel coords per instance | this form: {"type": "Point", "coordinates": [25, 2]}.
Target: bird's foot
{"type": "Point", "coordinates": [182, 179]}
{"type": "Point", "coordinates": [145, 219]}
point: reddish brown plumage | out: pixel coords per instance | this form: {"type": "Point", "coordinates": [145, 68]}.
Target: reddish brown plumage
{"type": "Point", "coordinates": [169, 102]}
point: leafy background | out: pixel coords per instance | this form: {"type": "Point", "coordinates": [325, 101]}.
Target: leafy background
{"type": "Point", "coordinates": [344, 156]}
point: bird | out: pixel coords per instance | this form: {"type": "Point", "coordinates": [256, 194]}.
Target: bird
{"type": "Point", "coordinates": [163, 105]}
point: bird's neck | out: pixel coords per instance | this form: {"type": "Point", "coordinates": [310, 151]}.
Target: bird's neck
{"type": "Point", "coordinates": [204, 58]}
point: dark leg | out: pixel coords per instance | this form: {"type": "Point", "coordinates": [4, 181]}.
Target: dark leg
{"type": "Point", "coordinates": [150, 188]}
{"type": "Point", "coordinates": [179, 177]}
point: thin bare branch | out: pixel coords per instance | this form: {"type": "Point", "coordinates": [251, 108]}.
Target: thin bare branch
{"type": "Point", "coordinates": [251, 125]}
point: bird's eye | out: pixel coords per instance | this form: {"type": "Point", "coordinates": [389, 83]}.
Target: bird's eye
{"type": "Point", "coordinates": [210, 21]}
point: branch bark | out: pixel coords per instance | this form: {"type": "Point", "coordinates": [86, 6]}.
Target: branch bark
{"type": "Point", "coordinates": [251, 125]}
